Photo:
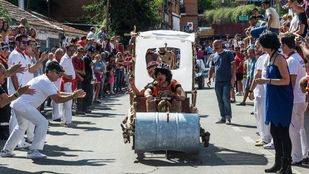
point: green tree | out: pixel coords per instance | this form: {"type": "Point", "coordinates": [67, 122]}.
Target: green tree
{"type": "Point", "coordinates": [227, 14]}
{"type": "Point", "coordinates": [122, 15]}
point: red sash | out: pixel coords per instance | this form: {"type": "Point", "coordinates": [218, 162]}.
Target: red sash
{"type": "Point", "coordinates": [66, 80]}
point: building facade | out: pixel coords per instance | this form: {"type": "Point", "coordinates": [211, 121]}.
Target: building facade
{"type": "Point", "coordinates": [189, 15]}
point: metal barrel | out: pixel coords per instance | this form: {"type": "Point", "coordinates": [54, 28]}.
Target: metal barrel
{"type": "Point", "coordinates": [155, 131]}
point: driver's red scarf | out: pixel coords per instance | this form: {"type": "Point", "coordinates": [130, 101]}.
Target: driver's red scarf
{"type": "Point", "coordinates": [171, 87]}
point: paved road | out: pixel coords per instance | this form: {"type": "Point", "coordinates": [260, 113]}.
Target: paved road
{"type": "Point", "coordinates": [95, 146]}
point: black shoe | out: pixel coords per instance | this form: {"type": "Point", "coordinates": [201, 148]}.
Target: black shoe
{"type": "Point", "coordinates": [97, 102]}
{"type": "Point", "coordinates": [88, 111]}
{"type": "Point", "coordinates": [241, 104]}
{"type": "Point", "coordinates": [306, 162]}
{"type": "Point", "coordinates": [276, 167]}
{"type": "Point", "coordinates": [57, 120]}
{"type": "Point", "coordinates": [286, 166]}
{"type": "Point", "coordinates": [297, 163]}
{"type": "Point", "coordinates": [233, 100]}
{"type": "Point", "coordinates": [221, 121]}
{"type": "Point", "coordinates": [80, 113]}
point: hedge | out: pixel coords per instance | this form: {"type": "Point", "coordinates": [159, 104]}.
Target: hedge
{"type": "Point", "coordinates": [228, 14]}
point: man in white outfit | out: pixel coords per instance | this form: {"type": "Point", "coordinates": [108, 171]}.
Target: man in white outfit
{"type": "Point", "coordinates": [26, 111]}
{"type": "Point", "coordinates": [56, 116]}
{"type": "Point", "coordinates": [258, 92]}
{"type": "Point", "coordinates": [18, 55]}
{"type": "Point", "coordinates": [66, 84]}
{"type": "Point", "coordinates": [297, 72]}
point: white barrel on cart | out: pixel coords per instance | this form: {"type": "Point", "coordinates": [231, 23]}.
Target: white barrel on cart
{"type": "Point", "coordinates": [155, 131]}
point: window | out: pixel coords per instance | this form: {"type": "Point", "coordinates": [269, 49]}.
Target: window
{"type": "Point", "coordinates": [169, 56]}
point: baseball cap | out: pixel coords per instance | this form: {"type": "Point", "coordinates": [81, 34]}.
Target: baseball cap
{"type": "Point", "coordinates": [54, 66]}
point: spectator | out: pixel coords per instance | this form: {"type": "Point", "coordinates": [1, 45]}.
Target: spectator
{"type": "Point", "coordinates": [26, 111]}
{"type": "Point", "coordinates": [79, 67]}
{"type": "Point", "coordinates": [251, 61]}
{"type": "Point", "coordinates": [297, 71]}
{"type": "Point", "coordinates": [119, 72]}
{"type": "Point", "coordinates": [91, 35]}
{"type": "Point", "coordinates": [224, 67]}
{"type": "Point", "coordinates": [239, 63]}
{"type": "Point", "coordinates": [273, 22]}
{"type": "Point", "coordinates": [299, 25]}
{"type": "Point", "coordinates": [67, 84]}
{"type": "Point", "coordinates": [279, 102]}
{"type": "Point", "coordinates": [88, 79]}
{"type": "Point", "coordinates": [98, 68]}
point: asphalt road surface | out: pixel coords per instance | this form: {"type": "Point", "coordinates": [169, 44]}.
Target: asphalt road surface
{"type": "Point", "coordinates": [95, 146]}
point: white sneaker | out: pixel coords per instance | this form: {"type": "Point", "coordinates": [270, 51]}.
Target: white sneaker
{"type": "Point", "coordinates": [35, 154]}
{"type": "Point", "coordinates": [6, 153]}
{"type": "Point", "coordinates": [23, 145]}
{"type": "Point", "coordinates": [269, 146]}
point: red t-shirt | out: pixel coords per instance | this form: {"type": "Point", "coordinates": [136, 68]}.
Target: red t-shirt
{"type": "Point", "coordinates": [81, 43]}
{"type": "Point", "coordinates": [78, 65]}
{"type": "Point", "coordinates": [239, 61]}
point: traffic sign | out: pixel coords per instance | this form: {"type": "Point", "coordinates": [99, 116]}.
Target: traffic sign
{"type": "Point", "coordinates": [243, 17]}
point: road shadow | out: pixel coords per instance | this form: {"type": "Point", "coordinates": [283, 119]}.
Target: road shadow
{"type": "Point", "coordinates": [98, 115]}
{"type": "Point", "coordinates": [6, 170]}
{"type": "Point", "coordinates": [88, 128]}
{"type": "Point", "coordinates": [245, 126]}
{"type": "Point", "coordinates": [211, 156]}
{"type": "Point", "coordinates": [57, 151]}
{"type": "Point", "coordinates": [59, 133]}
{"type": "Point", "coordinates": [204, 116]}
{"type": "Point", "coordinates": [205, 88]}
{"type": "Point", "coordinates": [83, 162]}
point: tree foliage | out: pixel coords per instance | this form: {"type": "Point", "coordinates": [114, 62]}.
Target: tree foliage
{"type": "Point", "coordinates": [123, 15]}
{"type": "Point", "coordinates": [227, 14]}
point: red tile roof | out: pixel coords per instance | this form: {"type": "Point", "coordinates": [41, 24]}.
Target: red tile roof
{"type": "Point", "coordinates": [39, 22]}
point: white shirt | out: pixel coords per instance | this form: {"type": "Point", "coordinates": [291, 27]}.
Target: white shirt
{"type": "Point", "coordinates": [275, 21]}
{"type": "Point", "coordinates": [43, 87]}
{"type": "Point", "coordinates": [90, 35]}
{"type": "Point", "coordinates": [23, 78]}
{"type": "Point", "coordinates": [66, 63]}
{"type": "Point", "coordinates": [294, 24]}
{"type": "Point", "coordinates": [261, 65]}
{"type": "Point", "coordinates": [297, 67]}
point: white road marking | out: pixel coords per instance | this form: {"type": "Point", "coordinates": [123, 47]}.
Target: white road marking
{"type": "Point", "coordinates": [236, 129]}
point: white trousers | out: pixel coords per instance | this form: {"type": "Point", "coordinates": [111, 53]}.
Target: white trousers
{"type": "Point", "coordinates": [66, 108]}
{"type": "Point", "coordinates": [26, 113]}
{"type": "Point", "coordinates": [259, 113]}
{"type": "Point", "coordinates": [56, 111]}
{"type": "Point", "coordinates": [298, 133]}
{"type": "Point", "coordinates": [29, 130]}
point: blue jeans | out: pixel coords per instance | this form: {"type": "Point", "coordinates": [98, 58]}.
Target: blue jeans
{"type": "Point", "coordinates": [119, 77]}
{"type": "Point", "coordinates": [223, 97]}
{"type": "Point", "coordinates": [256, 32]}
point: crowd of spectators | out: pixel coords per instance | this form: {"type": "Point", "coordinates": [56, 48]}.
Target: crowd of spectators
{"type": "Point", "coordinates": [98, 63]}
{"type": "Point", "coordinates": [258, 59]}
